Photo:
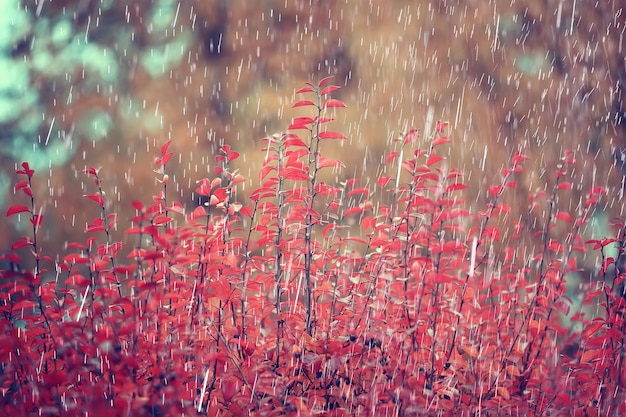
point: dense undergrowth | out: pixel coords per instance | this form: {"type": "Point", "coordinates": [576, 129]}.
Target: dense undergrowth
{"type": "Point", "coordinates": [274, 306]}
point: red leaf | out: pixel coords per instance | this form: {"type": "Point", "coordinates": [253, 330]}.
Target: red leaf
{"type": "Point", "coordinates": [36, 220]}
{"type": "Point", "coordinates": [265, 170]}
{"type": "Point", "coordinates": [518, 158]}
{"type": "Point", "coordinates": [20, 185]}
{"type": "Point", "coordinates": [304, 90]}
{"type": "Point", "coordinates": [441, 126]}
{"type": "Point", "coordinates": [411, 136]}
{"type": "Point", "coordinates": [302, 103]}
{"type": "Point", "coordinates": [502, 208]}
{"type": "Point", "coordinates": [54, 378]}
{"type": "Point", "coordinates": [230, 387]}
{"type": "Point", "coordinates": [455, 187]}
{"type": "Point", "coordinates": [440, 141]}
{"type": "Point", "coordinates": [433, 159]}
{"type": "Point", "coordinates": [17, 209]}
{"type": "Point", "coordinates": [565, 216]}
{"type": "Point", "coordinates": [329, 89]}
{"type": "Point", "coordinates": [382, 181]}
{"type": "Point", "coordinates": [21, 243]}
{"type": "Point", "coordinates": [555, 246]}
{"type": "Point", "coordinates": [221, 289]}
{"type": "Point", "coordinates": [295, 174]}
{"type": "Point", "coordinates": [166, 158]}
{"type": "Point", "coordinates": [97, 198]}
{"type": "Point", "coordinates": [75, 258]}
{"type": "Point", "coordinates": [353, 210]}
{"type": "Point", "coordinates": [326, 162]}
{"type": "Point", "coordinates": [591, 328]}
{"type": "Point", "coordinates": [565, 186]}
{"type": "Point", "coordinates": [392, 155]}
{"type": "Point", "coordinates": [495, 190]}
{"type": "Point", "coordinates": [96, 226]}
{"type": "Point", "coordinates": [359, 190]}
{"type": "Point", "coordinates": [246, 211]}
{"type": "Point", "coordinates": [333, 103]}
{"type": "Point", "coordinates": [492, 232]}
{"type": "Point", "coordinates": [294, 142]}
{"type": "Point", "coordinates": [26, 170]}
{"type": "Point", "coordinates": [331, 135]}
{"type": "Point", "coordinates": [204, 189]}
{"type": "Point", "coordinates": [25, 187]}
{"type": "Point", "coordinates": [300, 123]}
{"type": "Point", "coordinates": [74, 245]}
{"type": "Point", "coordinates": [230, 154]}
{"type": "Point", "coordinates": [24, 305]}
{"type": "Point", "coordinates": [596, 243]}
{"type": "Point", "coordinates": [325, 80]}
{"type": "Point", "coordinates": [220, 194]}
{"type": "Point", "coordinates": [164, 148]}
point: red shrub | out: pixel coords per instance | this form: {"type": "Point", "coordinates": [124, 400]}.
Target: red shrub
{"type": "Point", "coordinates": [275, 307]}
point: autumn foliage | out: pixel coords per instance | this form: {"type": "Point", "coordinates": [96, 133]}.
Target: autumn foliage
{"type": "Point", "coordinates": [278, 306]}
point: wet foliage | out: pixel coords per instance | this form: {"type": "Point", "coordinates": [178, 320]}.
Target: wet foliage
{"type": "Point", "coordinates": [272, 305]}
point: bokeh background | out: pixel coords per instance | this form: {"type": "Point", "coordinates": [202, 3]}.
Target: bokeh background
{"type": "Point", "coordinates": [104, 83]}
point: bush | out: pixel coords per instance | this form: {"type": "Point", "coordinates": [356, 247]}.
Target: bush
{"type": "Point", "coordinates": [277, 307]}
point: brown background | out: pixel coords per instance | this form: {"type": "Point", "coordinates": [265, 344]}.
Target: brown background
{"type": "Point", "coordinates": [535, 76]}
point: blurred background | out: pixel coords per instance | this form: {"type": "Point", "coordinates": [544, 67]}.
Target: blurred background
{"type": "Point", "coordinates": [103, 83]}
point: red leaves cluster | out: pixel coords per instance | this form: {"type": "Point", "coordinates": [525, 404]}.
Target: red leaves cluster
{"type": "Point", "coordinates": [278, 306]}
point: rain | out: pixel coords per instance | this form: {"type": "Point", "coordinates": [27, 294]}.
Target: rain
{"type": "Point", "coordinates": [105, 83]}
